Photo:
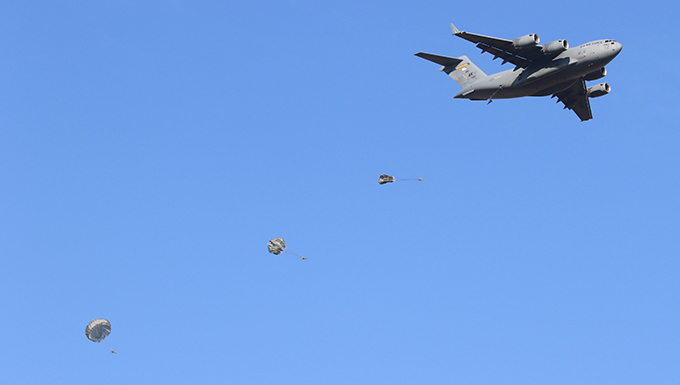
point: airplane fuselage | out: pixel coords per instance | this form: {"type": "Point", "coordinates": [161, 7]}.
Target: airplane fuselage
{"type": "Point", "coordinates": [544, 78]}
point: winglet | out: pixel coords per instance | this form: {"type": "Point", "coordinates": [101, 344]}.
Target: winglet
{"type": "Point", "coordinates": [454, 29]}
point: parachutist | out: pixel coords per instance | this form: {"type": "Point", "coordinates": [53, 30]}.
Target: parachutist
{"type": "Point", "coordinates": [384, 178]}
{"type": "Point", "coordinates": [97, 330]}
{"type": "Point", "coordinates": [277, 246]}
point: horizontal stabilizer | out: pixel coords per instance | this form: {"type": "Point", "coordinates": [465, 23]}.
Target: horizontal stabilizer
{"type": "Point", "coordinates": [442, 60]}
{"type": "Point", "coordinates": [460, 69]}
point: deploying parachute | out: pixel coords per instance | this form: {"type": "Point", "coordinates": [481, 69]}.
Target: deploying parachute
{"type": "Point", "coordinates": [278, 245]}
{"type": "Point", "coordinates": [384, 178]}
{"type": "Point", "coordinates": [98, 329]}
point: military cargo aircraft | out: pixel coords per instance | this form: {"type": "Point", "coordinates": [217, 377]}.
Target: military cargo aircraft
{"type": "Point", "coordinates": [540, 70]}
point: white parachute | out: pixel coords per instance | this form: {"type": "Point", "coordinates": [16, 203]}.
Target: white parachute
{"type": "Point", "coordinates": [98, 329]}
{"type": "Point", "coordinates": [276, 246]}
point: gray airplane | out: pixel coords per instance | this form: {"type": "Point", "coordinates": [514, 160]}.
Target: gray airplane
{"type": "Point", "coordinates": [540, 70]}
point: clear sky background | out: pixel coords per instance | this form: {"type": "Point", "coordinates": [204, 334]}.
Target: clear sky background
{"type": "Point", "coordinates": [149, 150]}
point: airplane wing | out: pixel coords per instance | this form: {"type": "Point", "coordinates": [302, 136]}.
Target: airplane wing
{"type": "Point", "coordinates": [502, 48]}
{"type": "Point", "coordinates": [575, 99]}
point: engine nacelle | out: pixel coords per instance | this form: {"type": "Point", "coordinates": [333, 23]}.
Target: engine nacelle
{"type": "Point", "coordinates": [555, 47]}
{"type": "Point", "coordinates": [596, 74]}
{"type": "Point", "coordinates": [526, 41]}
{"type": "Point", "coordinates": [598, 90]}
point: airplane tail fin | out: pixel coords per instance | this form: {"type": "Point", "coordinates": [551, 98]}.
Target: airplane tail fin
{"type": "Point", "coordinates": [460, 69]}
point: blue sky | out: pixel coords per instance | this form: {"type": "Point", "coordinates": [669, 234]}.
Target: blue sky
{"type": "Point", "coordinates": [149, 151]}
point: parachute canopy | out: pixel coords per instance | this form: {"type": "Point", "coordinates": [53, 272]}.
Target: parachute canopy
{"type": "Point", "coordinates": [276, 246]}
{"type": "Point", "coordinates": [384, 178]}
{"type": "Point", "coordinates": [98, 329]}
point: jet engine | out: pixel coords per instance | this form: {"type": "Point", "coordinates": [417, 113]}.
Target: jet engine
{"type": "Point", "coordinates": [555, 47]}
{"type": "Point", "coordinates": [596, 74]}
{"type": "Point", "coordinates": [598, 90]}
{"type": "Point", "coordinates": [526, 41]}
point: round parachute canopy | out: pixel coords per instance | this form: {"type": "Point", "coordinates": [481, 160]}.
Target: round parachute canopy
{"type": "Point", "coordinates": [384, 178]}
{"type": "Point", "coordinates": [98, 329]}
{"type": "Point", "coordinates": [276, 246]}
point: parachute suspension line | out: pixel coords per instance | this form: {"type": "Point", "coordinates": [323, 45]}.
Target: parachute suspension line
{"type": "Point", "coordinates": [499, 88]}
{"type": "Point", "coordinates": [109, 346]}
{"type": "Point", "coordinates": [296, 254]}
{"type": "Point", "coordinates": [494, 94]}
